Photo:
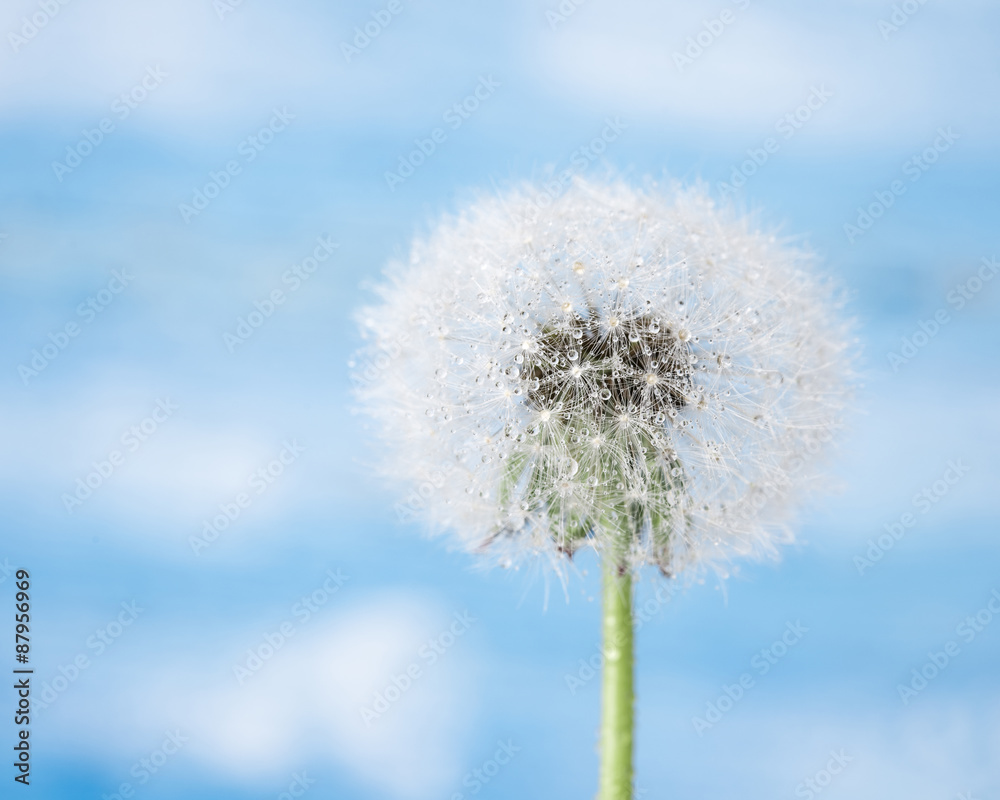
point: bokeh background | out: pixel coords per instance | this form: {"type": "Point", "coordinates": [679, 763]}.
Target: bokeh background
{"type": "Point", "coordinates": [216, 74]}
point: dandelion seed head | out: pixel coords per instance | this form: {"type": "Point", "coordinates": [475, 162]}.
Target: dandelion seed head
{"type": "Point", "coordinates": [628, 370]}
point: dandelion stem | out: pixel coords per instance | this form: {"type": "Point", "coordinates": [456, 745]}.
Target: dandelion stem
{"type": "Point", "coordinates": [617, 694]}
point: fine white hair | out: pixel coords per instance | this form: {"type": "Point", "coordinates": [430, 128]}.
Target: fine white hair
{"type": "Point", "coordinates": [632, 370]}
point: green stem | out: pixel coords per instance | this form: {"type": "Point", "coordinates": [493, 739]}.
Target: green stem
{"type": "Point", "coordinates": [617, 693]}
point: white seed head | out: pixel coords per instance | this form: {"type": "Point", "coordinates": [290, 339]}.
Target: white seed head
{"type": "Point", "coordinates": [633, 371]}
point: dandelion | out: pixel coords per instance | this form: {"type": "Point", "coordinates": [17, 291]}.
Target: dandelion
{"type": "Point", "coordinates": [630, 371]}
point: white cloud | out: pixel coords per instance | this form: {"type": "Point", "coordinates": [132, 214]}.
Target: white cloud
{"type": "Point", "coordinates": [171, 474]}
{"type": "Point", "coordinates": [90, 52]}
{"type": "Point", "coordinates": [301, 709]}
{"type": "Point", "coordinates": [225, 75]}
{"type": "Point", "coordinates": [938, 746]}
{"type": "Point", "coordinates": [762, 64]}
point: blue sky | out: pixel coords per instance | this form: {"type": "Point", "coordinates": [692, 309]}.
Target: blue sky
{"type": "Point", "coordinates": [313, 134]}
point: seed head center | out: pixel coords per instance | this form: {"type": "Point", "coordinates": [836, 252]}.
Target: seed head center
{"type": "Point", "coordinates": [642, 371]}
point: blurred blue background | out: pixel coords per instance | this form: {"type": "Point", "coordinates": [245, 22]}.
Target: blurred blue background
{"type": "Point", "coordinates": [217, 74]}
